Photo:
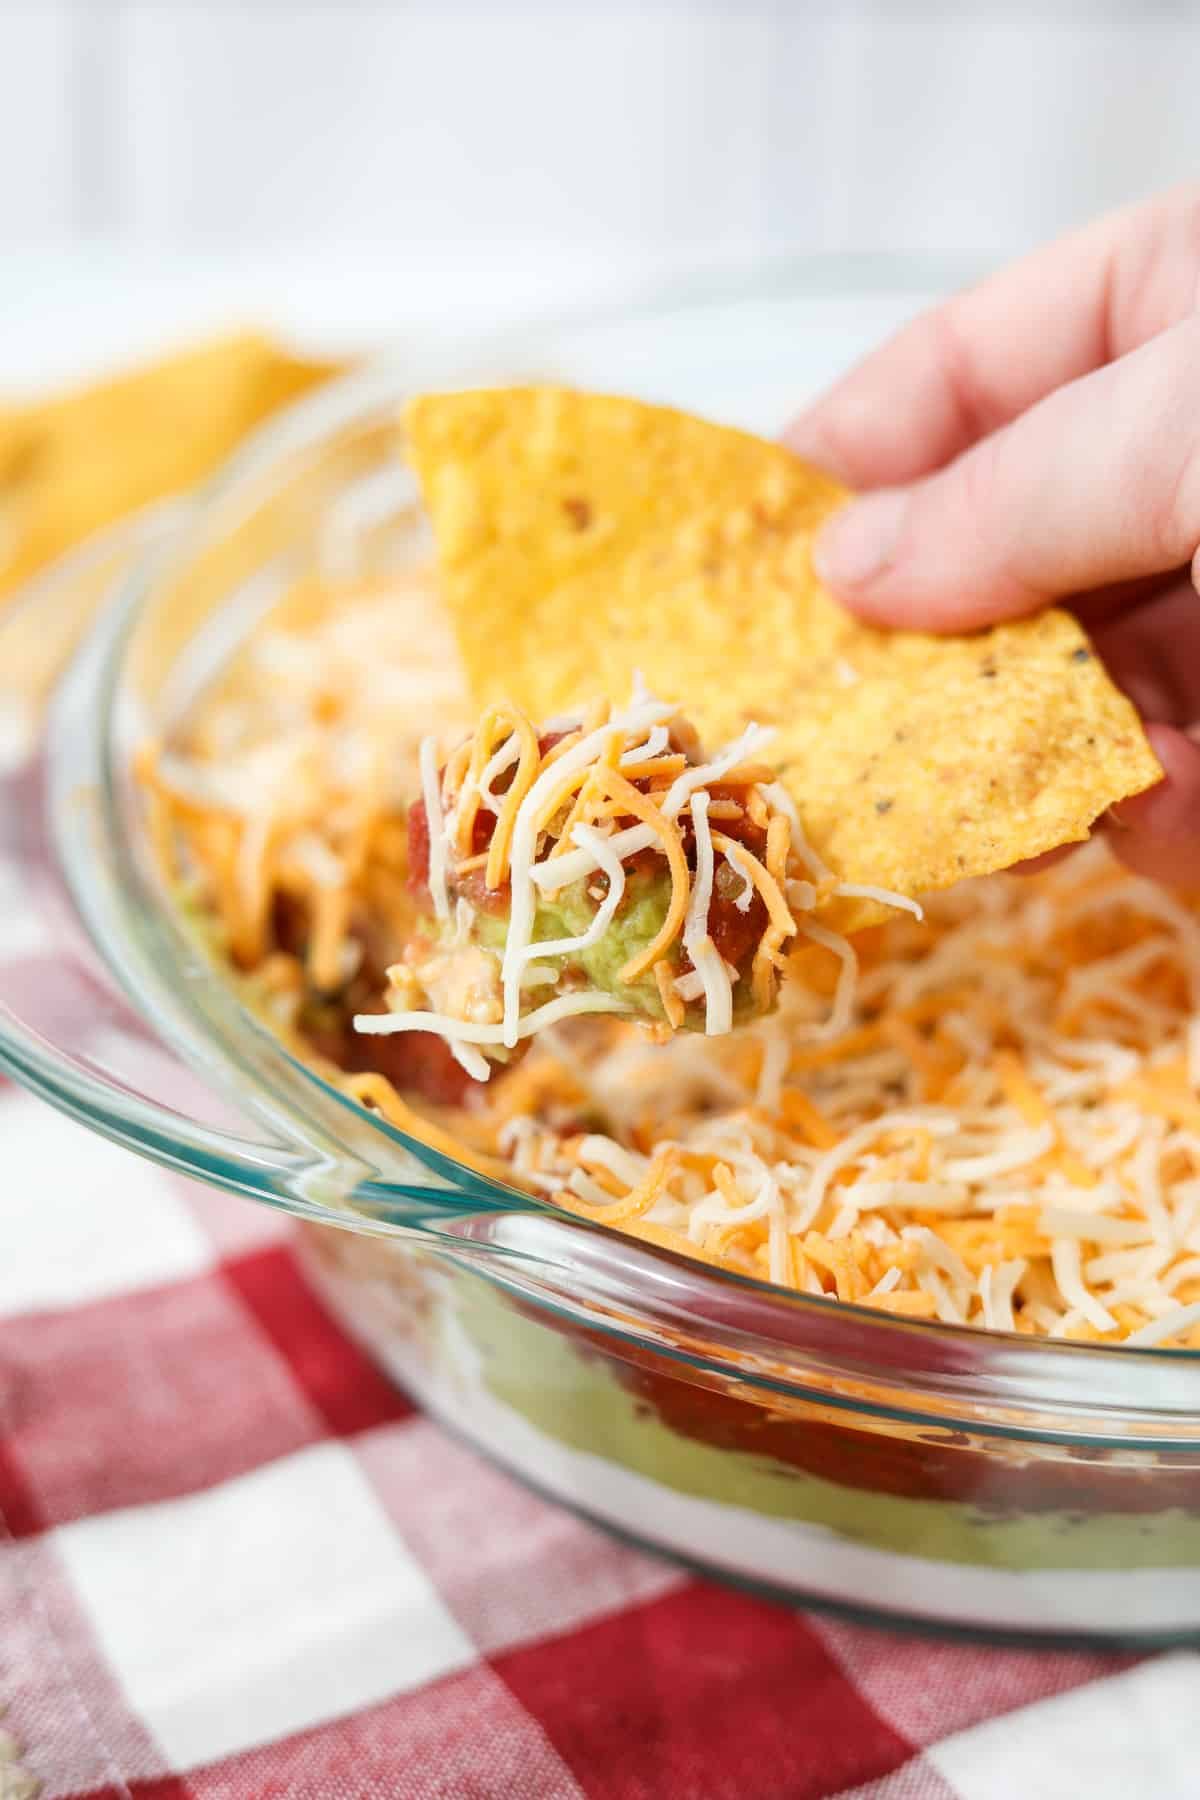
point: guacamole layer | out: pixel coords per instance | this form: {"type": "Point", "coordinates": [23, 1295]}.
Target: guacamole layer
{"type": "Point", "coordinates": [976, 1510]}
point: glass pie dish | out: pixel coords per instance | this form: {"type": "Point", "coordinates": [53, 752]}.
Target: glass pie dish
{"type": "Point", "coordinates": [833, 1455]}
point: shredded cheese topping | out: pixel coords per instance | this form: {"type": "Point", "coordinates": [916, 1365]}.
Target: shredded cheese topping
{"type": "Point", "coordinates": [985, 1140]}
{"type": "Point", "coordinates": [718, 989]}
{"type": "Point", "coordinates": [991, 1118]}
{"type": "Point", "coordinates": [548, 786]}
{"type": "Point", "coordinates": [466, 1031]}
{"type": "Point", "coordinates": [562, 819]}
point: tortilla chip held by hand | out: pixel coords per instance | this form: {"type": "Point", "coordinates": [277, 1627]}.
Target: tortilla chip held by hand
{"type": "Point", "coordinates": [584, 538]}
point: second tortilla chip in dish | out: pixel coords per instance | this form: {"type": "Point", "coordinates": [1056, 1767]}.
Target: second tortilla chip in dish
{"type": "Point", "coordinates": [585, 540]}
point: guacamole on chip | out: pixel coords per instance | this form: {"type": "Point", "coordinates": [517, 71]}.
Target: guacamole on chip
{"type": "Point", "coordinates": [603, 863]}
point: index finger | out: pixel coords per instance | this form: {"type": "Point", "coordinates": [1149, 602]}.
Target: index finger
{"type": "Point", "coordinates": [956, 373]}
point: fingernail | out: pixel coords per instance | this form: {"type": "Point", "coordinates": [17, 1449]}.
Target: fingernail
{"type": "Point", "coordinates": [858, 543]}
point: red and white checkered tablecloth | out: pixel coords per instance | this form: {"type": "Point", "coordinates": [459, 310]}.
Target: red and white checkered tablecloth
{"type": "Point", "coordinates": [237, 1563]}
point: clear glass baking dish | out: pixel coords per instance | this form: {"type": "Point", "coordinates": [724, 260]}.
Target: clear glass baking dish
{"type": "Point", "coordinates": [831, 1454]}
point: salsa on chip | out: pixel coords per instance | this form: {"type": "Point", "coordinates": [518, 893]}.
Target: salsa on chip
{"type": "Point", "coordinates": [603, 863]}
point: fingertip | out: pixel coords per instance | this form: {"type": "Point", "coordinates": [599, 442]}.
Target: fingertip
{"type": "Point", "coordinates": [1157, 833]}
{"type": "Point", "coordinates": [857, 432]}
{"type": "Point", "coordinates": [855, 548]}
{"type": "Point", "coordinates": [810, 436]}
{"type": "Point", "coordinates": [873, 555]}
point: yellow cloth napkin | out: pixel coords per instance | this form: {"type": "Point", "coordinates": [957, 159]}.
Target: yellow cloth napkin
{"type": "Point", "coordinates": [75, 463]}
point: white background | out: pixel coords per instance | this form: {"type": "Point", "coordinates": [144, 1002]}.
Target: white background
{"type": "Point", "coordinates": [376, 167]}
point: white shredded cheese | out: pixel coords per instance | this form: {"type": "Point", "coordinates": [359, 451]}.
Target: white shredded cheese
{"type": "Point", "coordinates": [1167, 1325]}
{"type": "Point", "coordinates": [843, 998]}
{"type": "Point", "coordinates": [464, 920]}
{"type": "Point", "coordinates": [505, 758]}
{"type": "Point", "coordinates": [588, 1188]}
{"type": "Point", "coordinates": [1022, 1148]}
{"type": "Point", "coordinates": [856, 1141]}
{"type": "Point", "coordinates": [625, 1164]}
{"type": "Point", "coordinates": [997, 1284]}
{"type": "Point", "coordinates": [1065, 1259]}
{"type": "Point", "coordinates": [575, 865]}
{"type": "Point", "coordinates": [467, 1057]}
{"type": "Point", "coordinates": [776, 795]}
{"type": "Point", "coordinates": [537, 975]}
{"type": "Point", "coordinates": [737, 862]}
{"type": "Point", "coordinates": [776, 1056]}
{"type": "Point", "coordinates": [656, 742]}
{"type": "Point", "coordinates": [431, 793]}
{"type": "Point", "coordinates": [311, 854]}
{"type": "Point", "coordinates": [524, 846]}
{"type": "Point", "coordinates": [857, 890]}
{"type": "Point", "coordinates": [703, 775]}
{"type": "Point", "coordinates": [718, 989]}
{"type": "Point", "coordinates": [566, 1006]}
{"type": "Point", "coordinates": [599, 847]}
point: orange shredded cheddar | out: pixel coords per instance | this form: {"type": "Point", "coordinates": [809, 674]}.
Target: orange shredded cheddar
{"type": "Point", "coordinates": [637, 1201]}
{"type": "Point", "coordinates": [522, 781]}
{"type": "Point", "coordinates": [898, 1162]}
{"type": "Point", "coordinates": [378, 1092]}
{"type": "Point", "coordinates": [664, 979]}
{"type": "Point", "coordinates": [635, 803]}
{"type": "Point", "coordinates": [909, 1303]}
{"type": "Point", "coordinates": [806, 1117]}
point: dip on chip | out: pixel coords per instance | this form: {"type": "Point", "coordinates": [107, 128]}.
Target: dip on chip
{"type": "Point", "coordinates": [600, 864]}
{"type": "Point", "coordinates": [585, 540]}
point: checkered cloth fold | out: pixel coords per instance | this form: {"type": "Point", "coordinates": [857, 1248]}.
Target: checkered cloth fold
{"type": "Point", "coordinates": [238, 1563]}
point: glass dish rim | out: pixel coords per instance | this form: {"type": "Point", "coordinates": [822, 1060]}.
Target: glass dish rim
{"type": "Point", "coordinates": [304, 426]}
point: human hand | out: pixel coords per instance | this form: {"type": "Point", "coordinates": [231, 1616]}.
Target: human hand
{"type": "Point", "coordinates": [1037, 439]}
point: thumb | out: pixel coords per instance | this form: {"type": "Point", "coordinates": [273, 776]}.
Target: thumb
{"type": "Point", "coordinates": [1099, 482]}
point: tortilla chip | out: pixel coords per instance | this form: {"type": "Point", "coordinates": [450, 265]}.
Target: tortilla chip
{"type": "Point", "coordinates": [70, 465]}
{"type": "Point", "coordinates": [583, 538]}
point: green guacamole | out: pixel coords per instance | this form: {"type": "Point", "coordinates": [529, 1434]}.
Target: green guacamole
{"type": "Point", "coordinates": [637, 923]}
{"type": "Point", "coordinates": [576, 1396]}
